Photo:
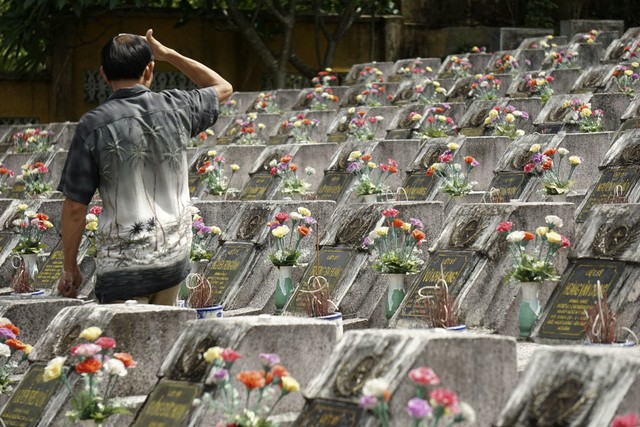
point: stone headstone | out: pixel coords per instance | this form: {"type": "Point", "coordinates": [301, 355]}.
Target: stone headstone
{"type": "Point", "coordinates": [615, 185]}
{"type": "Point", "coordinates": [554, 111]}
{"type": "Point", "coordinates": [575, 385]}
{"type": "Point", "coordinates": [571, 27]}
{"type": "Point", "coordinates": [594, 79]}
{"type": "Point", "coordinates": [511, 38]}
{"type": "Point", "coordinates": [363, 355]}
{"type": "Point", "coordinates": [289, 337]}
{"type": "Point", "coordinates": [354, 77]}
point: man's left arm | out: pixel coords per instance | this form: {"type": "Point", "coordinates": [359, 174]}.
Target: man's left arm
{"type": "Point", "coordinates": [73, 223]}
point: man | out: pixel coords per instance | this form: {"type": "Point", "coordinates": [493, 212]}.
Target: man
{"type": "Point", "coordinates": [132, 148]}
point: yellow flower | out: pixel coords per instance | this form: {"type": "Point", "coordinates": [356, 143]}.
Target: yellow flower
{"type": "Point", "coordinates": [575, 160]}
{"type": "Point", "coordinates": [304, 211]}
{"type": "Point", "coordinates": [22, 207]}
{"type": "Point", "coordinates": [53, 369]}
{"type": "Point", "coordinates": [406, 226]}
{"type": "Point", "coordinates": [253, 116]}
{"type": "Point", "coordinates": [235, 167]}
{"type": "Point", "coordinates": [493, 114]}
{"type": "Point", "coordinates": [372, 165]}
{"type": "Point", "coordinates": [585, 112]}
{"type": "Point", "coordinates": [351, 110]}
{"type": "Point", "coordinates": [91, 334]}
{"type": "Point", "coordinates": [280, 231]}
{"type": "Point", "coordinates": [216, 230]}
{"type": "Point", "coordinates": [212, 354]}
{"type": "Point", "coordinates": [319, 89]}
{"type": "Point", "coordinates": [535, 148]}
{"type": "Point", "coordinates": [541, 231]}
{"type": "Point", "coordinates": [28, 349]}
{"type": "Point", "coordinates": [510, 118]}
{"type": "Point", "coordinates": [416, 117]}
{"type": "Point", "coordinates": [297, 123]}
{"type": "Point", "coordinates": [566, 104]}
{"type": "Point", "coordinates": [211, 153]}
{"type": "Point", "coordinates": [553, 237]}
{"type": "Point", "coordinates": [635, 64]}
{"type": "Point", "coordinates": [261, 126]}
{"type": "Point", "coordinates": [354, 156]}
{"type": "Point", "coordinates": [91, 226]}
{"type": "Point", "coordinates": [289, 384]}
{"type": "Point", "coordinates": [442, 118]}
{"type": "Point", "coordinates": [628, 72]}
{"type": "Point", "coordinates": [209, 131]}
{"type": "Point", "coordinates": [487, 120]}
{"type": "Point", "coordinates": [452, 146]}
{"type": "Point", "coordinates": [382, 231]}
{"type": "Point", "coordinates": [436, 83]}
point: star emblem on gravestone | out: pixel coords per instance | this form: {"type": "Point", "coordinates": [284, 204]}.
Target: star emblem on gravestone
{"type": "Point", "coordinates": [191, 365]}
{"type": "Point", "coordinates": [351, 378]}
{"type": "Point", "coordinates": [611, 241]}
{"type": "Point", "coordinates": [562, 404]}
{"type": "Point", "coordinates": [254, 219]}
{"type": "Point", "coordinates": [466, 234]}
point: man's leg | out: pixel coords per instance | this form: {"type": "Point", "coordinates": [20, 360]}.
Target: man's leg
{"type": "Point", "coordinates": [166, 296]}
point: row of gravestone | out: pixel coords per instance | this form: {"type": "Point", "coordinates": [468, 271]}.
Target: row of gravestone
{"type": "Point", "coordinates": [588, 384]}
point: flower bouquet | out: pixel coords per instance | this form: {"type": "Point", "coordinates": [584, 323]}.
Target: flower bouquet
{"type": "Point", "coordinates": [427, 408]}
{"type": "Point", "coordinates": [542, 165]}
{"type": "Point", "coordinates": [430, 92]}
{"type": "Point", "coordinates": [96, 364]}
{"type": "Point", "coordinates": [31, 140]}
{"type": "Point", "coordinates": [320, 98]}
{"type": "Point", "coordinates": [626, 78]}
{"type": "Point", "coordinates": [540, 86]}
{"type": "Point", "coordinates": [459, 67]}
{"type": "Point", "coordinates": [562, 59]}
{"type": "Point", "coordinates": [485, 87]}
{"type": "Point", "coordinates": [414, 72]}
{"type": "Point", "coordinates": [454, 181]}
{"type": "Point", "coordinates": [247, 130]}
{"type": "Point", "coordinates": [325, 78]}
{"type": "Point", "coordinates": [505, 123]}
{"type": "Point", "coordinates": [33, 178]}
{"type": "Point", "coordinates": [287, 171]}
{"type": "Point", "coordinates": [5, 174]}
{"type": "Point", "coordinates": [264, 388]}
{"type": "Point", "coordinates": [287, 252]}
{"type": "Point", "coordinates": [370, 74]}
{"type": "Point", "coordinates": [300, 127]}
{"type": "Point", "coordinates": [587, 120]}
{"type": "Point", "coordinates": [362, 166]}
{"type": "Point", "coordinates": [10, 344]}
{"type": "Point", "coordinates": [266, 103]}
{"type": "Point", "coordinates": [536, 266]}
{"type": "Point", "coordinates": [396, 244]}
{"type": "Point", "coordinates": [213, 173]}
{"type": "Point", "coordinates": [229, 108]}
{"type": "Point", "coordinates": [373, 95]}
{"type": "Point", "coordinates": [437, 125]}
{"type": "Point", "coordinates": [91, 227]}
{"type": "Point", "coordinates": [201, 138]}
{"type": "Point", "coordinates": [30, 229]}
{"type": "Point", "coordinates": [507, 64]}
{"type": "Point", "coordinates": [629, 52]}
{"type": "Point", "coordinates": [203, 235]}
{"type": "Point", "coordinates": [363, 127]}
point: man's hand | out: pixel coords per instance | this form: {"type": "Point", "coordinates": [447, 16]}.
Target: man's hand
{"type": "Point", "coordinates": [70, 283]}
{"type": "Point", "coordinates": [159, 50]}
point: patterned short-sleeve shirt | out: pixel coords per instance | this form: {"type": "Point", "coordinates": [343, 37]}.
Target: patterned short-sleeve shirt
{"type": "Point", "coordinates": [132, 149]}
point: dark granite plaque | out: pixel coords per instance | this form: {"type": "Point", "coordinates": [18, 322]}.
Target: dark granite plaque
{"type": "Point", "coordinates": [194, 183]}
{"type": "Point", "coordinates": [168, 404]}
{"type": "Point", "coordinates": [51, 271]}
{"type": "Point", "coordinates": [605, 190]}
{"type": "Point", "coordinates": [337, 137]}
{"type": "Point", "coordinates": [329, 413]}
{"type": "Point", "coordinates": [29, 400]}
{"type": "Point", "coordinates": [455, 265]}
{"type": "Point", "coordinates": [400, 134]}
{"type": "Point", "coordinates": [224, 267]}
{"type": "Point", "coordinates": [333, 185]}
{"type": "Point", "coordinates": [279, 139]}
{"type": "Point", "coordinates": [472, 131]}
{"type": "Point", "coordinates": [510, 184]}
{"type": "Point", "coordinates": [549, 128]}
{"type": "Point", "coordinates": [257, 188]}
{"type": "Point", "coordinates": [332, 264]}
{"type": "Point", "coordinates": [575, 295]}
{"type": "Point", "coordinates": [418, 185]}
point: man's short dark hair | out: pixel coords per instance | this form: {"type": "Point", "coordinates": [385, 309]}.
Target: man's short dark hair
{"type": "Point", "coordinates": [125, 57]}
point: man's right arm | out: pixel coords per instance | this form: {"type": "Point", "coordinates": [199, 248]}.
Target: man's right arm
{"type": "Point", "coordinates": [197, 72]}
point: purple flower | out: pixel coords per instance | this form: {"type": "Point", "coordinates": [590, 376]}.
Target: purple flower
{"type": "Point", "coordinates": [269, 359]}
{"type": "Point", "coordinates": [309, 220]}
{"type": "Point", "coordinates": [418, 408]}
{"type": "Point", "coordinates": [6, 334]}
{"type": "Point", "coordinates": [509, 109]}
{"type": "Point", "coordinates": [537, 158]}
{"type": "Point", "coordinates": [352, 167]}
{"type": "Point", "coordinates": [417, 223]}
{"type": "Point", "coordinates": [204, 230]}
{"type": "Point", "coordinates": [634, 76]}
{"type": "Point", "coordinates": [219, 374]}
{"type": "Point", "coordinates": [368, 402]}
{"type": "Point", "coordinates": [197, 224]}
{"type": "Point", "coordinates": [474, 163]}
{"type": "Point", "coordinates": [525, 115]}
{"type": "Point", "coordinates": [366, 242]}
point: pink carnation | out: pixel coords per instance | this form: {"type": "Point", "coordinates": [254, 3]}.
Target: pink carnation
{"type": "Point", "coordinates": [424, 376]}
{"type": "Point", "coordinates": [390, 213]}
{"type": "Point", "coordinates": [504, 226]}
{"type": "Point", "coordinates": [106, 342]}
{"type": "Point", "coordinates": [629, 420]}
{"type": "Point", "coordinates": [229, 355]}
{"type": "Point", "coordinates": [86, 350]}
{"type": "Point", "coordinates": [443, 397]}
